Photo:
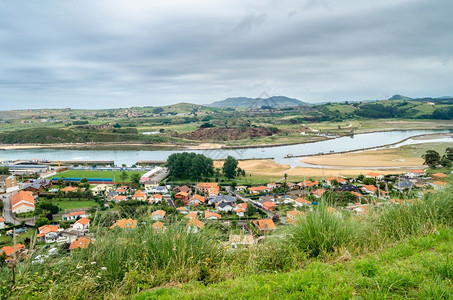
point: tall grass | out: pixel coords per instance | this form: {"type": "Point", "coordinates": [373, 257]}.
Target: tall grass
{"type": "Point", "coordinates": [126, 261]}
{"type": "Point", "coordinates": [323, 231]}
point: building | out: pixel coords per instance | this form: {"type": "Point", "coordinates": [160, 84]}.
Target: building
{"type": "Point", "coordinates": [82, 225]}
{"type": "Point", "coordinates": [183, 196]}
{"type": "Point", "coordinates": [416, 173]}
{"type": "Point", "coordinates": [82, 242]}
{"type": "Point", "coordinates": [208, 215]}
{"type": "Point", "coordinates": [156, 198]}
{"type": "Point", "coordinates": [223, 198]}
{"type": "Point", "coordinates": [224, 206]}
{"type": "Point", "coordinates": [139, 196]}
{"type": "Point", "coordinates": [301, 202]}
{"type": "Point", "coordinates": [22, 202]}
{"type": "Point", "coordinates": [48, 233]}
{"type": "Point", "coordinates": [205, 186]}
{"type": "Point", "coordinates": [74, 215]}
{"type": "Point", "coordinates": [259, 189]}
{"type": "Point", "coordinates": [194, 225]}
{"type": "Point", "coordinates": [17, 251]}
{"type": "Point", "coordinates": [100, 190]}
{"type": "Point", "coordinates": [293, 215]}
{"type": "Point", "coordinates": [196, 200]}
{"type": "Point", "coordinates": [264, 225]}
{"type": "Point", "coordinates": [375, 175]}
{"type": "Point", "coordinates": [158, 226]}
{"type": "Point", "coordinates": [158, 215]}
{"type": "Point", "coordinates": [124, 223]}
{"type": "Point", "coordinates": [8, 184]}
{"type": "Point", "coordinates": [148, 176]}
{"type": "Point", "coordinates": [2, 223]}
{"type": "Point", "coordinates": [268, 205]}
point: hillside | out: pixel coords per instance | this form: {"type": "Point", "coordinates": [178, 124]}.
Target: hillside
{"type": "Point", "coordinates": [442, 100]}
{"type": "Point", "coordinates": [418, 268]}
{"type": "Point", "coordinates": [275, 101]}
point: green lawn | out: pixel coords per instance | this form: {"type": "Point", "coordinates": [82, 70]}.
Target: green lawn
{"type": "Point", "coordinates": [420, 268]}
{"type": "Point", "coordinates": [74, 203]}
{"type": "Point", "coordinates": [19, 239]}
{"type": "Point", "coordinates": [95, 174]}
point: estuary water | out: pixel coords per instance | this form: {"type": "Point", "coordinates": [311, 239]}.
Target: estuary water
{"type": "Point", "coordinates": [278, 153]}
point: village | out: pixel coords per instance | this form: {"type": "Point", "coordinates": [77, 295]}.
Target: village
{"type": "Point", "coordinates": [244, 214]}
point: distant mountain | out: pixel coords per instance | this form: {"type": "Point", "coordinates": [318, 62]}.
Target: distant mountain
{"type": "Point", "coordinates": [275, 101]}
{"type": "Point", "coordinates": [399, 97]}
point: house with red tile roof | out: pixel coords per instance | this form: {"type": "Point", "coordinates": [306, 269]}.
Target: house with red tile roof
{"type": "Point", "coordinates": [22, 202]}
{"type": "Point", "coordinates": [82, 225]}
{"type": "Point", "coordinates": [10, 251]}
{"type": "Point", "coordinates": [183, 196]}
{"type": "Point", "coordinates": [369, 189]}
{"type": "Point", "coordinates": [2, 223]}
{"type": "Point", "coordinates": [308, 183]}
{"type": "Point", "coordinates": [264, 225]}
{"type": "Point", "coordinates": [197, 200]}
{"type": "Point", "coordinates": [119, 198]}
{"type": "Point", "coordinates": [124, 223]}
{"type": "Point", "coordinates": [318, 193]}
{"type": "Point", "coordinates": [293, 215]}
{"type": "Point", "coordinates": [211, 215]}
{"type": "Point", "coordinates": [74, 215]}
{"type": "Point", "coordinates": [158, 214]}
{"type": "Point", "coordinates": [158, 226]}
{"type": "Point", "coordinates": [375, 175]}
{"type": "Point", "coordinates": [48, 233]}
{"type": "Point", "coordinates": [182, 210]}
{"type": "Point", "coordinates": [205, 186]}
{"type": "Point", "coordinates": [301, 202]}
{"type": "Point", "coordinates": [268, 205]}
{"type": "Point", "coordinates": [82, 243]}
{"type": "Point", "coordinates": [194, 225]}
{"type": "Point", "coordinates": [259, 189]}
{"type": "Point", "coordinates": [156, 198]}
{"type": "Point", "coordinates": [139, 196]}
{"type": "Point", "coordinates": [416, 173]}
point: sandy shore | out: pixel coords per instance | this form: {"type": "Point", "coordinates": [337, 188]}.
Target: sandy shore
{"type": "Point", "coordinates": [369, 158]}
{"type": "Point", "coordinates": [272, 169]}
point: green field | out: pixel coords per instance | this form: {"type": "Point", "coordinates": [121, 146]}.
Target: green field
{"type": "Point", "coordinates": [115, 175]}
{"type": "Point", "coordinates": [420, 268]}
{"type": "Point", "coordinates": [75, 203]}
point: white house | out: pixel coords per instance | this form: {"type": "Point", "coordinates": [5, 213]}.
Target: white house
{"type": "Point", "coordinates": [158, 215]}
{"type": "Point", "coordinates": [22, 202]}
{"type": "Point", "coordinates": [74, 215]}
{"type": "Point", "coordinates": [81, 225]}
{"type": "Point", "coordinates": [100, 190]}
{"type": "Point", "coordinates": [224, 206]}
{"type": "Point", "coordinates": [2, 223]}
{"type": "Point", "coordinates": [416, 173]}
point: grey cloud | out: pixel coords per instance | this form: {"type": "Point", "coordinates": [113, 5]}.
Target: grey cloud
{"type": "Point", "coordinates": [100, 54]}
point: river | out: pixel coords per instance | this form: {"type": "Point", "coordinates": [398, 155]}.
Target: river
{"type": "Point", "coordinates": [279, 153]}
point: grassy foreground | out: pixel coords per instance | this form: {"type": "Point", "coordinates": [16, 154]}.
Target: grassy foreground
{"type": "Point", "coordinates": [419, 268]}
{"type": "Point", "coordinates": [396, 251]}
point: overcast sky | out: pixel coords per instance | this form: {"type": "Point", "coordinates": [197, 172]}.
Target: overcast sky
{"type": "Point", "coordinates": [100, 54]}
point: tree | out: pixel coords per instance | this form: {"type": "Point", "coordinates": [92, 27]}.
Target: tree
{"type": "Point", "coordinates": [449, 153]}
{"type": "Point", "coordinates": [5, 170]}
{"type": "Point", "coordinates": [135, 179]}
{"type": "Point", "coordinates": [229, 167]}
{"type": "Point", "coordinates": [189, 166]}
{"type": "Point", "coordinates": [250, 210]}
{"type": "Point", "coordinates": [124, 176]}
{"type": "Point", "coordinates": [49, 216]}
{"type": "Point", "coordinates": [41, 222]}
{"type": "Point", "coordinates": [445, 162]}
{"type": "Point", "coordinates": [432, 158]}
{"type": "Point", "coordinates": [369, 181]}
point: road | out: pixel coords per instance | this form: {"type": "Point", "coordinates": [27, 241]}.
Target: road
{"type": "Point", "coordinates": [8, 214]}
{"type": "Point", "coordinates": [270, 214]}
